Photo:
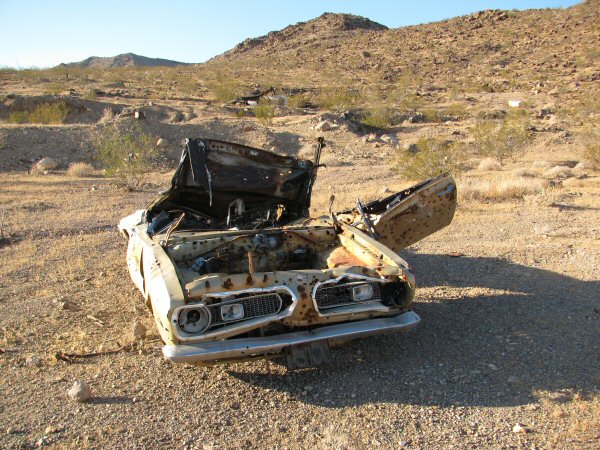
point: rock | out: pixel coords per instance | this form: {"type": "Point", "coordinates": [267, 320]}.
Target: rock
{"type": "Point", "coordinates": [512, 379]}
{"type": "Point", "coordinates": [417, 118]}
{"type": "Point", "coordinates": [371, 137]}
{"type": "Point", "coordinates": [80, 391]}
{"type": "Point", "coordinates": [138, 331]}
{"type": "Point", "coordinates": [545, 111]}
{"type": "Point", "coordinates": [518, 428]}
{"type": "Point", "coordinates": [248, 128]}
{"type": "Point", "coordinates": [492, 366]}
{"type": "Point", "coordinates": [178, 117]}
{"type": "Point", "coordinates": [412, 148]}
{"type": "Point", "coordinates": [139, 115]}
{"type": "Point", "coordinates": [47, 163]}
{"type": "Point", "coordinates": [52, 429]}
{"type": "Point", "coordinates": [33, 361]}
{"type": "Point", "coordinates": [390, 139]}
{"type": "Point", "coordinates": [162, 142]}
{"type": "Point", "coordinates": [514, 103]}
{"type": "Point", "coordinates": [323, 126]}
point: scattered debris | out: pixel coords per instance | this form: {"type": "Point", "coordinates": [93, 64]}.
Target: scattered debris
{"type": "Point", "coordinates": [390, 139]}
{"type": "Point", "coordinates": [456, 254]}
{"type": "Point", "coordinates": [34, 361]}
{"type": "Point", "coordinates": [162, 142]}
{"type": "Point", "coordinates": [514, 103]}
{"type": "Point", "coordinates": [95, 320]}
{"type": "Point", "coordinates": [80, 391]}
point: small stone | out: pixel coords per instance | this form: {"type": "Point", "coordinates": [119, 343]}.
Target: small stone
{"type": "Point", "coordinates": [162, 142]}
{"type": "Point", "coordinates": [492, 366]}
{"type": "Point", "coordinates": [52, 429]}
{"type": "Point", "coordinates": [371, 137]}
{"type": "Point", "coordinates": [323, 126]}
{"type": "Point", "coordinates": [33, 361]}
{"type": "Point", "coordinates": [80, 391]}
{"type": "Point", "coordinates": [518, 428]}
{"type": "Point", "coordinates": [390, 139]}
{"type": "Point", "coordinates": [138, 331]}
{"type": "Point", "coordinates": [247, 129]}
{"type": "Point", "coordinates": [512, 379]}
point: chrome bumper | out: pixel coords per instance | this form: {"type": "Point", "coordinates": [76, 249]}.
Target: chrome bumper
{"type": "Point", "coordinates": [245, 347]}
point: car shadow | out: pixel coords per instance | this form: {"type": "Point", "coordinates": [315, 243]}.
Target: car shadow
{"type": "Point", "coordinates": [497, 333]}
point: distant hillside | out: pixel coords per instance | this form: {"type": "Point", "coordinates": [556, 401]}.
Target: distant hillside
{"type": "Point", "coordinates": [124, 60]}
{"type": "Point", "coordinates": [493, 51]}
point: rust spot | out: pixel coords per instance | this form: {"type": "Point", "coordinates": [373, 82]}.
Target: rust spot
{"type": "Point", "coordinates": [265, 278]}
{"type": "Point", "coordinates": [227, 284]}
{"type": "Point", "coordinates": [207, 284]}
{"type": "Point", "coordinates": [249, 280]}
{"type": "Point", "coordinates": [301, 288]}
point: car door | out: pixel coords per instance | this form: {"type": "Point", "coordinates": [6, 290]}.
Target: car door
{"type": "Point", "coordinates": [403, 218]}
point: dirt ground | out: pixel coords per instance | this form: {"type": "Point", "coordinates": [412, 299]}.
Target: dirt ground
{"type": "Point", "coordinates": [508, 295]}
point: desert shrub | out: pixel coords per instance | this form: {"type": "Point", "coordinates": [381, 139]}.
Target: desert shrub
{"type": "Point", "coordinates": [108, 114]}
{"type": "Point", "coordinates": [378, 117]}
{"type": "Point", "coordinates": [125, 154]}
{"type": "Point", "coordinates": [226, 89]}
{"type": "Point", "coordinates": [498, 190]}
{"type": "Point", "coordinates": [298, 101]}
{"type": "Point", "coordinates": [336, 100]}
{"type": "Point", "coordinates": [264, 111]}
{"type": "Point", "coordinates": [427, 158]}
{"type": "Point", "coordinates": [489, 164]}
{"type": "Point", "coordinates": [502, 139]}
{"type": "Point", "coordinates": [55, 88]}
{"type": "Point", "coordinates": [592, 149]}
{"type": "Point", "coordinates": [46, 113]}
{"type": "Point", "coordinates": [91, 94]}
{"type": "Point", "coordinates": [80, 169]}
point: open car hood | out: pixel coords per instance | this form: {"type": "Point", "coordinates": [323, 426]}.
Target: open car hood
{"type": "Point", "coordinates": [224, 183]}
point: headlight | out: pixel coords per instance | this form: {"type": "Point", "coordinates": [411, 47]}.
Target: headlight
{"type": "Point", "coordinates": [232, 311]}
{"type": "Point", "coordinates": [194, 320]}
{"type": "Point", "coordinates": [362, 293]}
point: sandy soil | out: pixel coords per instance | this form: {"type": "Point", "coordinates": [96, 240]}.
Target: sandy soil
{"type": "Point", "coordinates": [509, 333]}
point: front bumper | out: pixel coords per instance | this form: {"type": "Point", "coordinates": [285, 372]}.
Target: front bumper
{"type": "Point", "coordinates": [246, 347]}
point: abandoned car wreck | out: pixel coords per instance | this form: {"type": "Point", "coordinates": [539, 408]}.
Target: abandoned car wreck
{"type": "Point", "coordinates": [232, 266]}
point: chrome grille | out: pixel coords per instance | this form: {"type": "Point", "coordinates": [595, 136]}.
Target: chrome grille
{"type": "Point", "coordinates": [333, 295]}
{"type": "Point", "coordinates": [255, 306]}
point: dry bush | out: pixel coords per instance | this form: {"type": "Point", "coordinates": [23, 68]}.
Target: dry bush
{"type": "Point", "coordinates": [430, 158]}
{"type": "Point", "coordinates": [108, 115]}
{"type": "Point", "coordinates": [524, 172]}
{"type": "Point", "coordinates": [558, 172]}
{"type": "Point", "coordinates": [264, 111]}
{"type": "Point", "coordinates": [592, 149]}
{"type": "Point", "coordinates": [225, 89]}
{"type": "Point", "coordinates": [489, 164]}
{"type": "Point", "coordinates": [299, 101]}
{"type": "Point", "coordinates": [498, 190]}
{"type": "Point", "coordinates": [502, 139]}
{"type": "Point", "coordinates": [81, 169]}
{"type": "Point", "coordinates": [45, 113]}
{"type": "Point", "coordinates": [541, 165]}
{"type": "Point", "coordinates": [90, 94]}
{"type": "Point", "coordinates": [126, 155]}
{"type": "Point", "coordinates": [336, 100]}
{"type": "Point", "coordinates": [379, 117]}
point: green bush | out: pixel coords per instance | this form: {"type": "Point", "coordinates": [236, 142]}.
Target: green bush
{"type": "Point", "coordinates": [428, 158]}
{"type": "Point", "coordinates": [502, 139]}
{"type": "Point", "coordinates": [125, 154]}
{"type": "Point", "coordinates": [378, 117]}
{"type": "Point", "coordinates": [336, 100]}
{"type": "Point", "coordinates": [298, 101]}
{"type": "Point", "coordinates": [264, 111]}
{"type": "Point", "coordinates": [46, 113]}
{"type": "Point", "coordinates": [226, 89]}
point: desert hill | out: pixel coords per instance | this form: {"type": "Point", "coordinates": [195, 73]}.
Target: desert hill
{"type": "Point", "coordinates": [492, 49]}
{"type": "Point", "coordinates": [124, 60]}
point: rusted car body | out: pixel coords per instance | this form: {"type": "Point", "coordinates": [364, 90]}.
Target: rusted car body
{"type": "Point", "coordinates": [233, 268]}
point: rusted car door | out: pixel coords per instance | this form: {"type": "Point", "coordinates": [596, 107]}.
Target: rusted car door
{"type": "Point", "coordinates": [401, 219]}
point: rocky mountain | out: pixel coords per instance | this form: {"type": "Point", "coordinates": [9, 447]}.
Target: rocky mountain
{"type": "Point", "coordinates": [124, 60]}
{"type": "Point", "coordinates": [493, 49]}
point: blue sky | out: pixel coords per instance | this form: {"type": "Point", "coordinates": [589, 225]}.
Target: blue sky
{"type": "Point", "coordinates": [45, 33]}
